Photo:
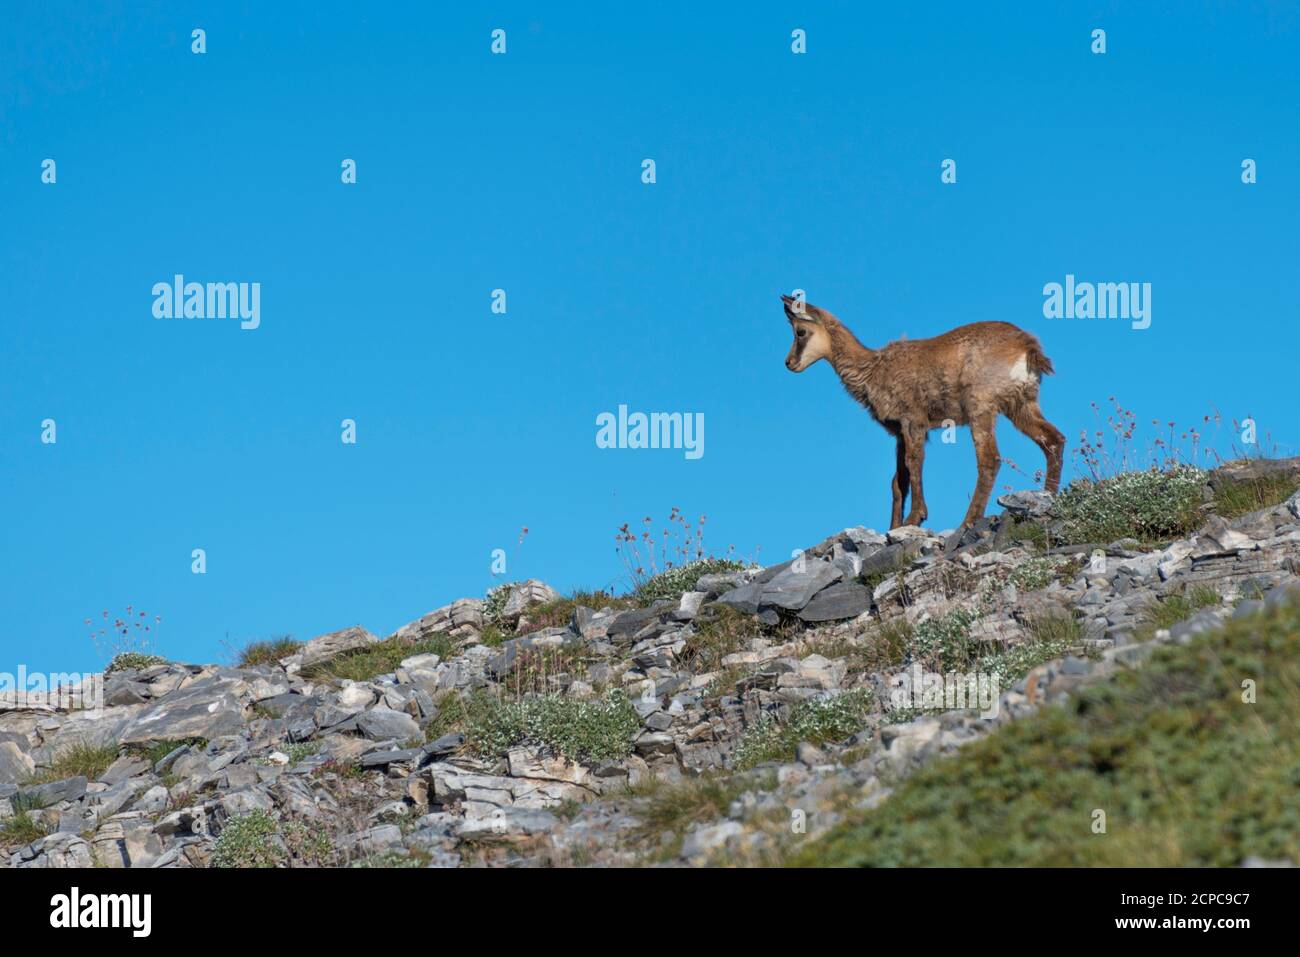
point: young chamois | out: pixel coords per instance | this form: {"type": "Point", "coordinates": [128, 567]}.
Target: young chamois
{"type": "Point", "coordinates": [963, 377]}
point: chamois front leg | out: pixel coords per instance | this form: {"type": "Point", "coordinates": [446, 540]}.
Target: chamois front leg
{"type": "Point", "coordinates": [983, 431]}
{"type": "Point", "coordinates": [914, 456]}
{"type": "Point", "coordinates": [899, 486]}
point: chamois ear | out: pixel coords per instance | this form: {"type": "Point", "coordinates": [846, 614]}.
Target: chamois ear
{"type": "Point", "coordinates": [798, 309]}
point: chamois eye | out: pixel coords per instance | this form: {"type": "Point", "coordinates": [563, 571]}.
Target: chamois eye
{"type": "Point", "coordinates": [801, 334]}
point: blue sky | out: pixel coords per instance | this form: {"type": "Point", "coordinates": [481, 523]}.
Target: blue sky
{"type": "Point", "coordinates": [523, 172]}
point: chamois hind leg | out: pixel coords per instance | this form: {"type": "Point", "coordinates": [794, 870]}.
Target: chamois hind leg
{"type": "Point", "coordinates": [899, 485]}
{"type": "Point", "coordinates": [983, 431]}
{"type": "Point", "coordinates": [914, 458]}
{"type": "Point", "coordinates": [1030, 420]}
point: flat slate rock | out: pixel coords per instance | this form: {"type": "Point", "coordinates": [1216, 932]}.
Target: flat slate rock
{"type": "Point", "coordinates": [794, 588]}
{"type": "Point", "coordinates": [327, 647]}
{"type": "Point", "coordinates": [837, 602]}
{"type": "Point", "coordinates": [206, 709]}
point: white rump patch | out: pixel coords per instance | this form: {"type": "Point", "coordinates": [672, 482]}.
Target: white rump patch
{"type": "Point", "coordinates": [1020, 371]}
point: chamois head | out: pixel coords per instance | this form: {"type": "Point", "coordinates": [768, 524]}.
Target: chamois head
{"type": "Point", "coordinates": [812, 340]}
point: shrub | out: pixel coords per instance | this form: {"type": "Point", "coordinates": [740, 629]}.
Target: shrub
{"type": "Point", "coordinates": [494, 604]}
{"type": "Point", "coordinates": [268, 652]}
{"type": "Point", "coordinates": [588, 730]}
{"type": "Point", "coordinates": [817, 721]}
{"type": "Point", "coordinates": [1153, 505]}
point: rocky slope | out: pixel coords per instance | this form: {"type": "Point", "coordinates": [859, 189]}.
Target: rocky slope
{"type": "Point", "coordinates": [741, 717]}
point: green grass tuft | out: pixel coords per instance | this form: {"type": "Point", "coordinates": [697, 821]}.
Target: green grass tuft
{"type": "Point", "coordinates": [1234, 497]}
{"type": "Point", "coordinates": [21, 828]}
{"type": "Point", "coordinates": [90, 760]}
{"type": "Point", "coordinates": [268, 652]}
{"type": "Point", "coordinates": [382, 657]}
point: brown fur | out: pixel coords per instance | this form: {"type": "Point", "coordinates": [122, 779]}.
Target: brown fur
{"type": "Point", "coordinates": [969, 376]}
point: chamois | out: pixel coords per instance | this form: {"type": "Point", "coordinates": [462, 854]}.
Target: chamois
{"type": "Point", "coordinates": [963, 377]}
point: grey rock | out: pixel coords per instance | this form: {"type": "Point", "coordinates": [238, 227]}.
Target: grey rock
{"type": "Point", "coordinates": [1035, 503]}
{"type": "Point", "coordinates": [793, 588]}
{"type": "Point", "coordinates": [54, 792]}
{"type": "Point", "coordinates": [704, 840]}
{"type": "Point", "coordinates": [382, 724]}
{"type": "Point", "coordinates": [525, 595]}
{"type": "Point", "coordinates": [15, 764]}
{"type": "Point", "coordinates": [837, 602]}
{"type": "Point", "coordinates": [744, 599]}
{"type": "Point", "coordinates": [325, 648]}
{"type": "Point", "coordinates": [383, 758]}
{"type": "Point", "coordinates": [447, 744]}
{"type": "Point", "coordinates": [206, 709]}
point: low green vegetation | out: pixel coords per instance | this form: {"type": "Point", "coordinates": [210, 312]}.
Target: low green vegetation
{"type": "Point", "coordinates": [258, 840]}
{"type": "Point", "coordinates": [558, 613]}
{"type": "Point", "coordinates": [901, 562]}
{"type": "Point", "coordinates": [268, 652]}
{"type": "Point", "coordinates": [81, 759]}
{"type": "Point", "coordinates": [885, 645]}
{"type": "Point", "coordinates": [817, 721]}
{"type": "Point", "coordinates": [719, 631]}
{"type": "Point", "coordinates": [21, 828]}
{"type": "Point", "coordinates": [381, 658]}
{"type": "Point", "coordinates": [1032, 574]}
{"type": "Point", "coordinates": [944, 644]}
{"type": "Point", "coordinates": [1177, 607]}
{"type": "Point", "coordinates": [1193, 758]}
{"type": "Point", "coordinates": [160, 749]}
{"type": "Point", "coordinates": [301, 751]}
{"type": "Point", "coordinates": [251, 840]}
{"type": "Point", "coordinates": [1234, 497]}
{"type": "Point", "coordinates": [1154, 505]}
{"type": "Point", "coordinates": [1029, 531]}
{"type": "Point", "coordinates": [670, 808]}
{"type": "Point", "coordinates": [133, 661]}
{"type": "Point", "coordinates": [683, 578]}
{"type": "Point", "coordinates": [583, 729]}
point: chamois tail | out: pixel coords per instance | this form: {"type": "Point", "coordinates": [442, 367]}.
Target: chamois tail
{"type": "Point", "coordinates": [1037, 360]}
